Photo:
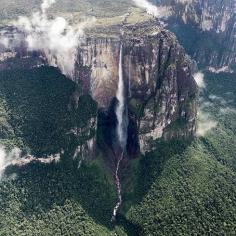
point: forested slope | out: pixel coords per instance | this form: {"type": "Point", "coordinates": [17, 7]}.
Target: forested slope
{"type": "Point", "coordinates": [185, 189]}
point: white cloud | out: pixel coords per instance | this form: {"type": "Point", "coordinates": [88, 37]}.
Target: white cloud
{"type": "Point", "coordinates": [46, 4]}
{"type": "Point", "coordinates": [215, 98]}
{"type": "Point", "coordinates": [160, 12]}
{"type": "Point", "coordinates": [55, 38]}
{"type": "Point", "coordinates": [14, 158]}
{"type": "Point", "coordinates": [4, 41]}
{"type": "Point", "coordinates": [220, 70]}
{"type": "Point", "coordinates": [199, 78]}
{"type": "Point", "coordinates": [205, 123]}
{"type": "Point", "coordinates": [227, 110]}
{"type": "Point", "coordinates": [6, 158]}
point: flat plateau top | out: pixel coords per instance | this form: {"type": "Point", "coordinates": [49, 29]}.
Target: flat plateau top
{"type": "Point", "coordinates": [109, 15]}
{"type": "Point", "coordinates": [10, 9]}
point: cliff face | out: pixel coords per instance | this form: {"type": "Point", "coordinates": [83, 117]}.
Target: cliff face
{"type": "Point", "coordinates": [213, 22]}
{"type": "Point", "coordinates": [14, 54]}
{"type": "Point", "coordinates": [215, 15]}
{"type": "Point", "coordinates": [160, 90]}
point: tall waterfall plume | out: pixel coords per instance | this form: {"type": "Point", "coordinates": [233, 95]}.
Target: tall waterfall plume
{"type": "Point", "coordinates": [121, 110]}
{"type": "Point", "coordinates": [121, 114]}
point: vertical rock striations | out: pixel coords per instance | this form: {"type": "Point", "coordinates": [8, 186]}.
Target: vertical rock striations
{"type": "Point", "coordinates": [162, 94]}
{"type": "Point", "coordinates": [207, 29]}
{"type": "Point", "coordinates": [158, 86]}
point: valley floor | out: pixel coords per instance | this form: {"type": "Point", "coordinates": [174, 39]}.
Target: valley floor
{"type": "Point", "coordinates": [181, 188]}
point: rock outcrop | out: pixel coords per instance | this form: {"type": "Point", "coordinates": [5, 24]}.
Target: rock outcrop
{"type": "Point", "coordinates": [160, 89]}
{"type": "Point", "coordinates": [214, 25]}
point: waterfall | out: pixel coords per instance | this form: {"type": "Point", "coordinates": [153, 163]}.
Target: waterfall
{"type": "Point", "coordinates": [121, 114]}
{"type": "Point", "coordinates": [121, 108]}
{"type": "Point", "coordinates": [130, 76]}
{"type": "Point", "coordinates": [118, 187]}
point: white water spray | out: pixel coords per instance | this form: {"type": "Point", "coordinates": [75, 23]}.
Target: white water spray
{"type": "Point", "coordinates": [121, 115]}
{"type": "Point", "coordinates": [121, 109]}
{"type": "Point", "coordinates": [130, 94]}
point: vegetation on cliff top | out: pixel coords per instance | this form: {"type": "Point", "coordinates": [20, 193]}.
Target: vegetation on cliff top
{"type": "Point", "coordinates": [10, 10]}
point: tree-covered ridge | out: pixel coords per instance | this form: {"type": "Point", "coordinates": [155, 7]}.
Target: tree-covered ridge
{"type": "Point", "coordinates": [189, 189]}
{"type": "Point", "coordinates": [42, 112]}
{"type": "Point", "coordinates": [56, 199]}
{"type": "Point", "coordinates": [192, 194]}
{"type": "Point", "coordinates": [181, 188]}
